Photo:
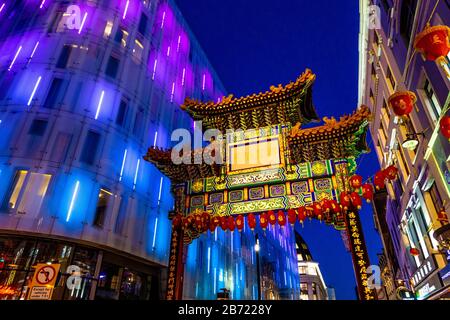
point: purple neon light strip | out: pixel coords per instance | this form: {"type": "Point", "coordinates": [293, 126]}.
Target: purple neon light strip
{"type": "Point", "coordinates": [126, 10]}
{"type": "Point", "coordinates": [1, 8]}
{"type": "Point", "coordinates": [34, 50]}
{"type": "Point", "coordinates": [183, 77]}
{"type": "Point", "coordinates": [42, 4]}
{"type": "Point", "coordinates": [15, 57]}
{"type": "Point", "coordinates": [82, 23]}
{"type": "Point", "coordinates": [178, 44]}
{"type": "Point", "coordinates": [154, 69]}
{"type": "Point", "coordinates": [173, 91]}
{"type": "Point", "coordinates": [163, 19]}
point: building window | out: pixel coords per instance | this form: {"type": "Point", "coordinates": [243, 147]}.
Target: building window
{"type": "Point", "coordinates": [138, 50]}
{"type": "Point", "coordinates": [303, 270]}
{"type": "Point", "coordinates": [386, 5]}
{"type": "Point", "coordinates": [121, 216]}
{"type": "Point", "coordinates": [143, 24]}
{"type": "Point", "coordinates": [436, 197]}
{"type": "Point", "coordinates": [372, 98]}
{"type": "Point", "coordinates": [138, 122]}
{"type": "Point", "coordinates": [374, 73]}
{"type": "Point", "coordinates": [112, 67]}
{"type": "Point", "coordinates": [433, 103]}
{"type": "Point", "coordinates": [90, 147]}
{"type": "Point", "coordinates": [314, 291]}
{"type": "Point", "coordinates": [390, 78]}
{"type": "Point", "coordinates": [38, 127]}
{"type": "Point", "coordinates": [122, 113]}
{"type": "Point", "coordinates": [408, 11]}
{"type": "Point", "coordinates": [64, 57]}
{"type": "Point", "coordinates": [108, 29]}
{"type": "Point", "coordinates": [53, 93]}
{"type": "Point", "coordinates": [121, 37]}
{"type": "Point", "coordinates": [104, 197]}
{"type": "Point", "coordinates": [27, 192]}
{"type": "Point", "coordinates": [304, 291]}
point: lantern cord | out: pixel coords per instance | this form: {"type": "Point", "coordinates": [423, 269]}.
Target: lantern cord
{"type": "Point", "coordinates": [432, 12]}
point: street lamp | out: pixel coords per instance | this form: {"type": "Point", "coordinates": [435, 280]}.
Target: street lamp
{"type": "Point", "coordinates": [412, 141]}
{"type": "Point", "coordinates": [258, 273]}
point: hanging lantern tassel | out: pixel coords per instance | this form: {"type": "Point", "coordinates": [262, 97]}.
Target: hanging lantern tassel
{"type": "Point", "coordinates": [367, 192]}
{"type": "Point", "coordinates": [281, 217]}
{"type": "Point", "coordinates": [356, 200]}
{"type": "Point", "coordinates": [292, 217]}
{"type": "Point", "coordinates": [240, 223]}
{"type": "Point", "coordinates": [433, 43]}
{"type": "Point", "coordinates": [301, 213]}
{"type": "Point", "coordinates": [444, 125]}
{"type": "Point", "coordinates": [251, 219]}
{"type": "Point", "coordinates": [224, 223]}
{"type": "Point", "coordinates": [309, 212]}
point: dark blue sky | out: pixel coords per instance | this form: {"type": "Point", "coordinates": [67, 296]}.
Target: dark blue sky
{"type": "Point", "coordinates": [253, 44]}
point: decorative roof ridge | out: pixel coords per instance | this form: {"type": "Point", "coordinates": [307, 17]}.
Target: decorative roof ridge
{"type": "Point", "coordinates": [305, 77]}
{"type": "Point", "coordinates": [331, 124]}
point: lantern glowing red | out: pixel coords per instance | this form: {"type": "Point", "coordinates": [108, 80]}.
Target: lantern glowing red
{"type": "Point", "coordinates": [433, 43]}
{"type": "Point", "coordinates": [281, 218]}
{"type": "Point", "coordinates": [198, 221]}
{"type": "Point", "coordinates": [442, 216]}
{"type": "Point", "coordinates": [335, 207]}
{"type": "Point", "coordinates": [367, 192]}
{"type": "Point", "coordinates": [216, 221]}
{"type": "Point", "coordinates": [402, 102]}
{"type": "Point", "coordinates": [391, 172]}
{"type": "Point", "coordinates": [251, 219]}
{"type": "Point", "coordinates": [356, 200]}
{"type": "Point", "coordinates": [186, 223]}
{"type": "Point", "coordinates": [318, 211]}
{"type": "Point", "coordinates": [345, 199]}
{"type": "Point", "coordinates": [292, 216]}
{"type": "Point", "coordinates": [231, 223]}
{"type": "Point", "coordinates": [224, 223]}
{"type": "Point", "coordinates": [326, 205]}
{"type": "Point", "coordinates": [263, 221]}
{"type": "Point", "coordinates": [414, 252]}
{"type": "Point", "coordinates": [378, 180]}
{"type": "Point", "coordinates": [301, 214]}
{"type": "Point", "coordinates": [309, 211]}
{"type": "Point", "coordinates": [240, 223]}
{"type": "Point", "coordinates": [212, 227]}
{"type": "Point", "coordinates": [356, 181]}
{"type": "Point", "coordinates": [445, 126]}
{"type": "Point", "coordinates": [272, 217]}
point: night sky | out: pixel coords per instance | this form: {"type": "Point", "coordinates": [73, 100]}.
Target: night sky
{"type": "Point", "coordinates": [253, 44]}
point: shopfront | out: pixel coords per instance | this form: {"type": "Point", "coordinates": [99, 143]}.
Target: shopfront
{"type": "Point", "coordinates": [103, 274]}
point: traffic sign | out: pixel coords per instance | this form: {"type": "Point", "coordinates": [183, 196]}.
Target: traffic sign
{"type": "Point", "coordinates": [43, 282]}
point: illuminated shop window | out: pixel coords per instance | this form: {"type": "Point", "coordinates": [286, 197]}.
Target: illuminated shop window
{"type": "Point", "coordinates": [104, 197]}
{"type": "Point", "coordinates": [108, 29]}
{"type": "Point", "coordinates": [28, 191]}
{"type": "Point", "coordinates": [121, 37]}
{"type": "Point", "coordinates": [304, 291]}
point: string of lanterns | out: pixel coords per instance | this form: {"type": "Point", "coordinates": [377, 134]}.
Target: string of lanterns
{"type": "Point", "coordinates": [329, 211]}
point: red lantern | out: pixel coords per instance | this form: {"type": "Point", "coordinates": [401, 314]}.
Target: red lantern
{"type": "Point", "coordinates": [301, 214]}
{"type": "Point", "coordinates": [445, 126]}
{"type": "Point", "coordinates": [263, 221]}
{"type": "Point", "coordinates": [433, 43]}
{"type": "Point", "coordinates": [198, 221]}
{"type": "Point", "coordinates": [215, 221]}
{"type": "Point", "coordinates": [240, 223]}
{"type": "Point", "coordinates": [212, 227]}
{"type": "Point", "coordinates": [414, 252]}
{"type": "Point", "coordinates": [251, 221]}
{"type": "Point", "coordinates": [356, 200]}
{"type": "Point", "coordinates": [317, 209]}
{"type": "Point", "coordinates": [309, 211]}
{"type": "Point", "coordinates": [224, 223]}
{"type": "Point", "coordinates": [356, 181]}
{"type": "Point", "coordinates": [272, 217]}
{"type": "Point", "coordinates": [367, 192]}
{"type": "Point", "coordinates": [335, 207]}
{"type": "Point", "coordinates": [231, 223]}
{"type": "Point", "coordinates": [326, 205]}
{"type": "Point", "coordinates": [292, 216]}
{"type": "Point", "coordinates": [281, 217]}
{"type": "Point", "coordinates": [378, 180]}
{"type": "Point", "coordinates": [186, 223]}
{"type": "Point", "coordinates": [346, 201]}
{"type": "Point", "coordinates": [391, 172]}
{"type": "Point", "coordinates": [402, 102]}
{"type": "Point", "coordinates": [442, 216]}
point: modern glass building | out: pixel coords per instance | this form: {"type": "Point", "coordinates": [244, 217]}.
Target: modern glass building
{"type": "Point", "coordinates": [85, 88]}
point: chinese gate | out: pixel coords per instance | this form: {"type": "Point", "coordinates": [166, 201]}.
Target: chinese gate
{"type": "Point", "coordinates": [306, 174]}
